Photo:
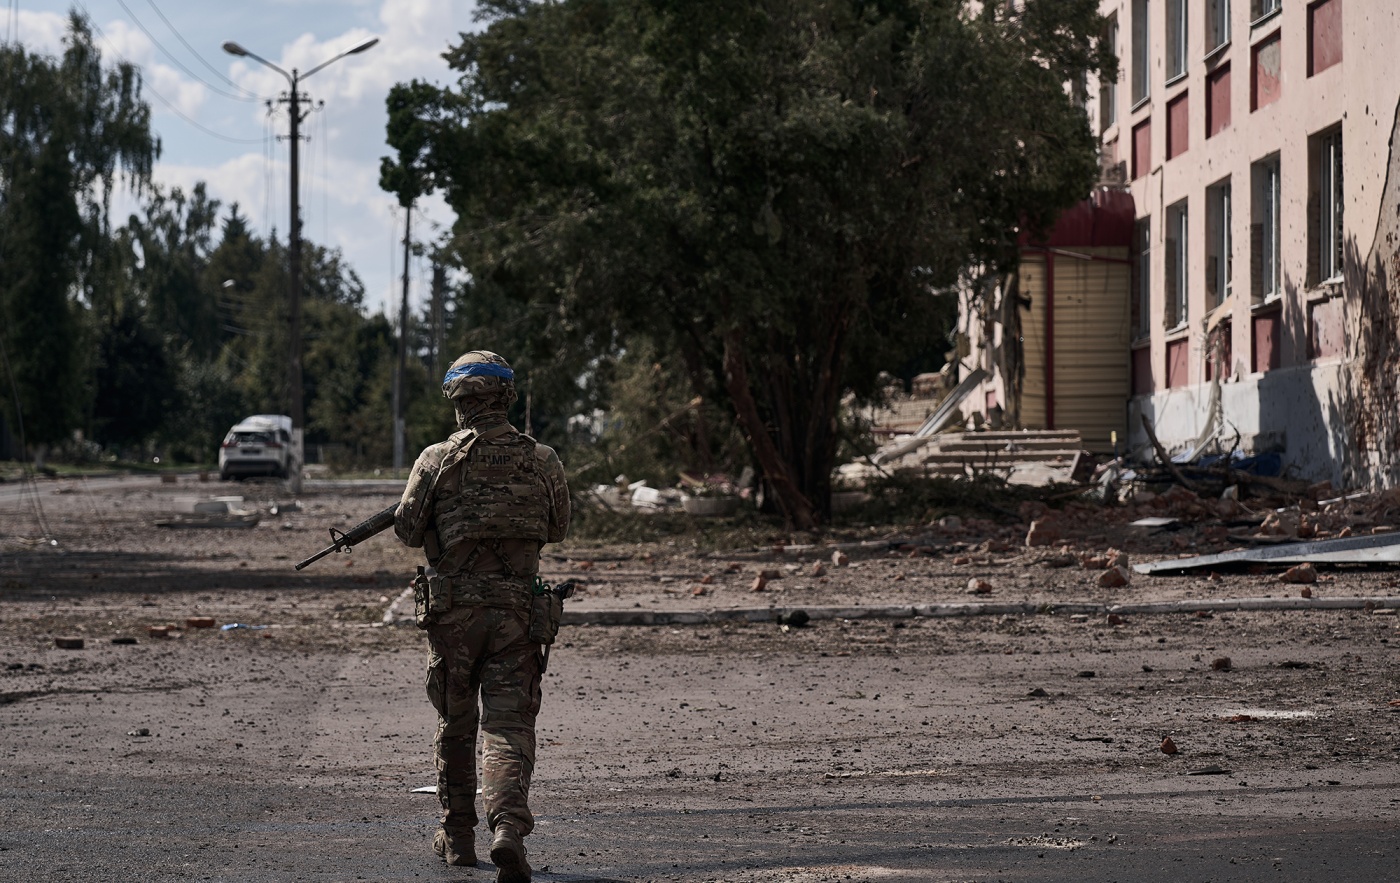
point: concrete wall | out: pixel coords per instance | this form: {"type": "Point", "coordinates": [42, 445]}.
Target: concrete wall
{"type": "Point", "coordinates": [1301, 405]}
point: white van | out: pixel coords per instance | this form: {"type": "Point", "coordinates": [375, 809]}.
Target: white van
{"type": "Point", "coordinates": [257, 445]}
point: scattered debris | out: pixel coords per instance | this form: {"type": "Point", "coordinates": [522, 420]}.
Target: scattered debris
{"type": "Point", "coordinates": [1043, 532]}
{"type": "Point", "coordinates": [1303, 573]}
{"type": "Point", "coordinates": [840, 559]}
{"type": "Point", "coordinates": [795, 618]}
{"type": "Point", "coordinates": [1039, 693]}
{"type": "Point", "coordinates": [1168, 747]}
{"type": "Point", "coordinates": [1220, 663]}
{"type": "Point", "coordinates": [1210, 771]}
{"type": "Point", "coordinates": [1114, 578]}
{"type": "Point", "coordinates": [978, 586]}
{"type": "Point", "coordinates": [1376, 549]}
{"type": "Point", "coordinates": [758, 584]}
{"type": "Point", "coordinates": [1086, 674]}
{"type": "Point", "coordinates": [68, 643]}
{"type": "Point", "coordinates": [199, 622]}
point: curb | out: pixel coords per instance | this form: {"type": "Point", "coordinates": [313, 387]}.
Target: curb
{"type": "Point", "coordinates": [633, 617]}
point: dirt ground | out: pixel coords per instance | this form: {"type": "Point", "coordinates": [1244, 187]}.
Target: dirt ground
{"type": "Point", "coordinates": [975, 748]}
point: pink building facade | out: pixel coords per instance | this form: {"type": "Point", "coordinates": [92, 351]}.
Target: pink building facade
{"type": "Point", "coordinates": [1257, 138]}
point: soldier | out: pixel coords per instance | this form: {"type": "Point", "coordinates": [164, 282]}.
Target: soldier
{"type": "Point", "coordinates": [481, 504]}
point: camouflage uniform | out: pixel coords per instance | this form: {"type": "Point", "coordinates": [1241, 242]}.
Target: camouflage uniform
{"type": "Point", "coordinates": [480, 505]}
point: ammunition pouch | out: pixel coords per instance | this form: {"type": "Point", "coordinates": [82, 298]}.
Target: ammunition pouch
{"type": "Point", "coordinates": [432, 597]}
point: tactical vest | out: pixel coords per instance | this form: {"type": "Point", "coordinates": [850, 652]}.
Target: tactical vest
{"type": "Point", "coordinates": [490, 488]}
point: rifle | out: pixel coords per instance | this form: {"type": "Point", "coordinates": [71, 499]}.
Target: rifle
{"type": "Point", "coordinates": [341, 542]}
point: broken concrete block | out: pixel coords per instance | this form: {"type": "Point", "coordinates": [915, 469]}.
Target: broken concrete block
{"type": "Point", "coordinates": [1220, 663]}
{"type": "Point", "coordinates": [1305, 592]}
{"type": "Point", "coordinates": [818, 569]}
{"type": "Point", "coordinates": [976, 586]}
{"type": "Point", "coordinates": [158, 631]}
{"type": "Point", "coordinates": [697, 591]}
{"type": "Point", "coordinates": [199, 622]}
{"type": "Point", "coordinates": [840, 559]}
{"type": "Point", "coordinates": [961, 560]}
{"type": "Point", "coordinates": [1114, 578]}
{"type": "Point", "coordinates": [771, 574]}
{"type": "Point", "coordinates": [706, 580]}
{"type": "Point", "coordinates": [1303, 573]}
{"type": "Point", "coordinates": [1042, 533]}
{"type": "Point", "coordinates": [950, 522]}
{"type": "Point", "coordinates": [1115, 619]}
{"type": "Point", "coordinates": [758, 584]}
{"type": "Point", "coordinates": [67, 643]}
{"type": "Point", "coordinates": [1168, 746]}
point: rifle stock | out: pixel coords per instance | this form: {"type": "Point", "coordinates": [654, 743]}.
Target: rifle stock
{"type": "Point", "coordinates": [340, 542]}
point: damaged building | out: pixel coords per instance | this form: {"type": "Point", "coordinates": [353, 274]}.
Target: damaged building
{"type": "Point", "coordinates": [1233, 283]}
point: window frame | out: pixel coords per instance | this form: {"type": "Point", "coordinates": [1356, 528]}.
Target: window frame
{"type": "Point", "coordinates": [1220, 241]}
{"type": "Point", "coordinates": [1217, 19]}
{"type": "Point", "coordinates": [1263, 10]}
{"type": "Point", "coordinates": [1108, 89]}
{"type": "Point", "coordinates": [1268, 205]}
{"type": "Point", "coordinates": [1178, 20]}
{"type": "Point", "coordinates": [1177, 289]}
{"type": "Point", "coordinates": [1141, 58]}
{"type": "Point", "coordinates": [1331, 190]}
{"type": "Point", "coordinates": [1142, 233]}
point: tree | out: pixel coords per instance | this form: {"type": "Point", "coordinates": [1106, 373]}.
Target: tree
{"type": "Point", "coordinates": [774, 189]}
{"type": "Point", "coordinates": [70, 129]}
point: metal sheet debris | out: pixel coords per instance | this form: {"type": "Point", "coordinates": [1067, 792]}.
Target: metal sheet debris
{"type": "Point", "coordinates": [1376, 549]}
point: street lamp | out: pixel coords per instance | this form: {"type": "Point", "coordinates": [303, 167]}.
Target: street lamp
{"type": "Point", "coordinates": [293, 100]}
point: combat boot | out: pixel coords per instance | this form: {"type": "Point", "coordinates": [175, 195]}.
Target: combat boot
{"type": "Point", "coordinates": [455, 849]}
{"type": "Point", "coordinates": [508, 854]}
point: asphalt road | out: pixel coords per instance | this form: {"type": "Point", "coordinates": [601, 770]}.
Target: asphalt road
{"type": "Point", "coordinates": [985, 748]}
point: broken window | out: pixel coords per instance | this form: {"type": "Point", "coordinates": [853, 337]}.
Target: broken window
{"type": "Point", "coordinates": [1217, 24]}
{"type": "Point", "coordinates": [1324, 35]}
{"type": "Point", "coordinates": [1264, 230]}
{"type": "Point", "coordinates": [1176, 266]}
{"type": "Point", "coordinates": [1142, 148]}
{"type": "Point", "coordinates": [1176, 39]}
{"type": "Point", "coordinates": [1142, 50]}
{"type": "Point", "coordinates": [1266, 84]}
{"type": "Point", "coordinates": [1178, 125]}
{"type": "Point", "coordinates": [1219, 244]}
{"type": "Point", "coordinates": [1218, 100]}
{"type": "Point", "coordinates": [1325, 233]}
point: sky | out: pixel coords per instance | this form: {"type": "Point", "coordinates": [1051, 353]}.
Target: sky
{"type": "Point", "coordinates": [209, 109]}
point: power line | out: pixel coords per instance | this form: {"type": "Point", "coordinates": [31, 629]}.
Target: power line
{"type": "Point", "coordinates": [194, 51]}
{"type": "Point", "coordinates": [163, 100]}
{"type": "Point", "coordinates": [175, 61]}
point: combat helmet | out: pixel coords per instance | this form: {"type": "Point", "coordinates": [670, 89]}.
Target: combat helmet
{"type": "Point", "coordinates": [479, 373]}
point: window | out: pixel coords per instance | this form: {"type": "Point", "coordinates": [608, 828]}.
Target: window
{"type": "Point", "coordinates": [1142, 279]}
{"type": "Point", "coordinates": [1325, 202]}
{"type": "Point", "coordinates": [1264, 230]}
{"type": "Point", "coordinates": [1218, 101]}
{"type": "Point", "coordinates": [1260, 8]}
{"type": "Point", "coordinates": [1142, 50]}
{"type": "Point", "coordinates": [1266, 84]}
{"type": "Point", "coordinates": [1142, 148]}
{"type": "Point", "coordinates": [1178, 126]}
{"type": "Point", "coordinates": [1108, 89]}
{"type": "Point", "coordinates": [1219, 244]}
{"type": "Point", "coordinates": [1176, 268]}
{"type": "Point", "coordinates": [1217, 24]}
{"type": "Point", "coordinates": [1176, 39]}
{"type": "Point", "coordinates": [1324, 35]}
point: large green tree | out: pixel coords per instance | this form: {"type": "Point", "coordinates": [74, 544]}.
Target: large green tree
{"type": "Point", "coordinates": [774, 189]}
{"type": "Point", "coordinates": [70, 130]}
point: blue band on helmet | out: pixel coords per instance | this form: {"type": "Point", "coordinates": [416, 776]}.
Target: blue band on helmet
{"type": "Point", "coordinates": [479, 369]}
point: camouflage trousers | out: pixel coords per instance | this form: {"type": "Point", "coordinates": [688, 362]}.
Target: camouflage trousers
{"type": "Point", "coordinates": [485, 653]}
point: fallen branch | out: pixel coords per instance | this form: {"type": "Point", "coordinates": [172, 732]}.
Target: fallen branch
{"type": "Point", "coordinates": [1162, 455]}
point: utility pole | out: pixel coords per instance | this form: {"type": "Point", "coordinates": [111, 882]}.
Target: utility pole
{"type": "Point", "coordinates": [439, 295]}
{"type": "Point", "coordinates": [403, 345]}
{"type": "Point", "coordinates": [293, 100]}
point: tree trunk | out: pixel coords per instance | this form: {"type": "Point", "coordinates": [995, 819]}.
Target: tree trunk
{"type": "Point", "coordinates": [796, 507]}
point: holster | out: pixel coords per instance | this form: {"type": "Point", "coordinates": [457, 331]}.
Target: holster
{"type": "Point", "coordinates": [546, 610]}
{"type": "Point", "coordinates": [432, 596]}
